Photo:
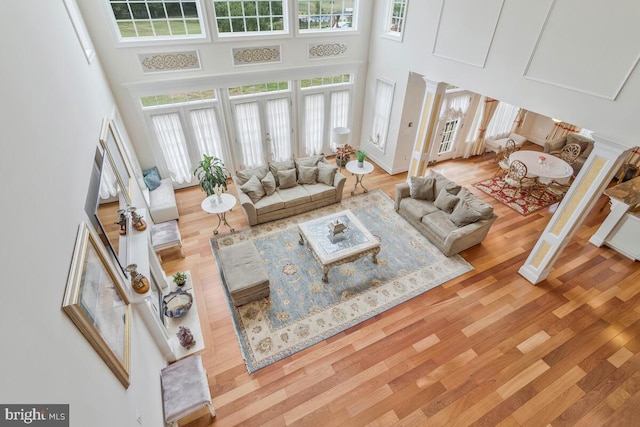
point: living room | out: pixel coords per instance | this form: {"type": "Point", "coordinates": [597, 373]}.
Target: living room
{"type": "Point", "coordinates": [487, 346]}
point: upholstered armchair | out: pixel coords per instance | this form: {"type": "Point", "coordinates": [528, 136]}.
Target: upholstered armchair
{"type": "Point", "coordinates": [555, 146]}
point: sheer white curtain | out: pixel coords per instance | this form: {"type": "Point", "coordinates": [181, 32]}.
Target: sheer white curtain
{"type": "Point", "coordinates": [172, 144]}
{"type": "Point", "coordinates": [456, 107]}
{"type": "Point", "coordinates": [381, 113]}
{"type": "Point", "coordinates": [249, 134]}
{"type": "Point", "coordinates": [207, 132]}
{"type": "Point", "coordinates": [502, 121]}
{"type": "Point", "coordinates": [279, 128]}
{"type": "Point", "coordinates": [108, 181]}
{"type": "Point", "coordinates": [339, 111]}
{"type": "Point", "coordinates": [313, 123]}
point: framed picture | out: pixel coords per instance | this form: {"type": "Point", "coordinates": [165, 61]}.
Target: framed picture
{"type": "Point", "coordinates": [114, 151]}
{"type": "Point", "coordinates": [96, 302]}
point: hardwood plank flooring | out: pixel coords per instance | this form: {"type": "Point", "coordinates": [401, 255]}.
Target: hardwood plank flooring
{"type": "Point", "coordinates": [486, 349]}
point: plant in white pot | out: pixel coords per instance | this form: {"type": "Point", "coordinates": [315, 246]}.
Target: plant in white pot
{"type": "Point", "coordinates": [211, 175]}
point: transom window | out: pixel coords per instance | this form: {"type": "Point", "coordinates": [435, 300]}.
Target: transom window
{"type": "Point", "coordinates": [325, 81]}
{"type": "Point", "coordinates": [177, 98]}
{"type": "Point", "coordinates": [149, 19]}
{"type": "Point", "coordinates": [250, 16]}
{"type": "Point", "coordinates": [326, 15]}
{"type": "Point", "coordinates": [258, 88]}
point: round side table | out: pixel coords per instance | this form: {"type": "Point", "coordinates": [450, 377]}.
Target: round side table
{"type": "Point", "coordinates": [359, 173]}
{"type": "Point", "coordinates": [219, 207]}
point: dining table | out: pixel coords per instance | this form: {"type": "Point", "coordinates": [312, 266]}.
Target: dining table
{"type": "Point", "coordinates": [546, 167]}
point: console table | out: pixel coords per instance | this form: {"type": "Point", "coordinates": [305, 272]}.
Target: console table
{"type": "Point", "coordinates": [621, 229]}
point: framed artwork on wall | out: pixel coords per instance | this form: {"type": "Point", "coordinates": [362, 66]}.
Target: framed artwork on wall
{"type": "Point", "coordinates": [95, 301]}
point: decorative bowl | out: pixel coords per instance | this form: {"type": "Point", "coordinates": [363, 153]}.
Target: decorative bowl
{"type": "Point", "coordinates": [177, 303]}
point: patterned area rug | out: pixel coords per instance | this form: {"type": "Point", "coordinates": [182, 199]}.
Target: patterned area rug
{"type": "Point", "coordinates": [302, 310]}
{"type": "Point", "coordinates": [524, 202]}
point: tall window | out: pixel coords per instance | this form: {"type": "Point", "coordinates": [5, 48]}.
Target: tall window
{"type": "Point", "coordinates": [186, 126]}
{"type": "Point", "coordinates": [157, 19]}
{"type": "Point", "coordinates": [326, 15]}
{"type": "Point", "coordinates": [502, 121]}
{"type": "Point", "coordinates": [396, 15]}
{"type": "Point", "coordinates": [381, 113]}
{"type": "Point", "coordinates": [250, 17]}
{"type": "Point", "coordinates": [327, 103]}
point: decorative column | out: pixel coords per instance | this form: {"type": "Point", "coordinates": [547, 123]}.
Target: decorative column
{"type": "Point", "coordinates": [597, 172]}
{"type": "Point", "coordinates": [431, 105]}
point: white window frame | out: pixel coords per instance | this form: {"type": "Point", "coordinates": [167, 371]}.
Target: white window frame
{"type": "Point", "coordinates": [327, 91]}
{"type": "Point", "coordinates": [286, 22]}
{"type": "Point", "coordinates": [80, 29]}
{"type": "Point", "coordinates": [381, 116]}
{"type": "Point", "coordinates": [316, 32]}
{"type": "Point", "coordinates": [388, 20]}
{"type": "Point", "coordinates": [155, 40]}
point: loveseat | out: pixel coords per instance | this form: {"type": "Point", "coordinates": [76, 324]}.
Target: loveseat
{"type": "Point", "coordinates": [281, 189]}
{"type": "Point", "coordinates": [586, 146]}
{"type": "Point", "coordinates": [450, 216]}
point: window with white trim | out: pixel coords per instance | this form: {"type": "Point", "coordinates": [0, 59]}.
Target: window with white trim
{"type": "Point", "coordinates": [241, 17]}
{"type": "Point", "coordinates": [327, 15]}
{"type": "Point", "coordinates": [138, 20]}
{"type": "Point", "coordinates": [186, 126]}
{"type": "Point", "coordinates": [395, 18]}
{"type": "Point", "coordinates": [381, 113]}
{"type": "Point", "coordinates": [326, 105]}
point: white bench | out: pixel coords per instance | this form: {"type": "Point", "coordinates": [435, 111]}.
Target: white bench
{"type": "Point", "coordinates": [162, 202]}
{"type": "Point", "coordinates": [185, 391]}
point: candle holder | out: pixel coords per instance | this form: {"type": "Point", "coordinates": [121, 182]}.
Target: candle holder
{"type": "Point", "coordinates": [139, 282]}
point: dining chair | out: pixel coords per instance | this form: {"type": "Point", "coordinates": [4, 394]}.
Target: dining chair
{"type": "Point", "coordinates": [502, 157]}
{"type": "Point", "coordinates": [570, 153]}
{"type": "Point", "coordinates": [516, 177]}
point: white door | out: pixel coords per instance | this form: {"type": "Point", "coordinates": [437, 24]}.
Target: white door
{"type": "Point", "coordinates": [263, 131]}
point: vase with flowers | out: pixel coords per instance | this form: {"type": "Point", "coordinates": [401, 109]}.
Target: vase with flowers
{"type": "Point", "coordinates": [343, 154]}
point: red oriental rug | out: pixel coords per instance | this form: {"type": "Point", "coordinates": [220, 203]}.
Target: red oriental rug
{"type": "Point", "coordinates": [524, 202]}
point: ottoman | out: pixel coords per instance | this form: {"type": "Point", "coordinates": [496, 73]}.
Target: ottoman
{"type": "Point", "coordinates": [244, 273]}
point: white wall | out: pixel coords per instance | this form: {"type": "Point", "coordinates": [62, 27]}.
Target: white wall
{"type": "Point", "coordinates": [53, 106]}
{"type": "Point", "coordinates": [512, 45]}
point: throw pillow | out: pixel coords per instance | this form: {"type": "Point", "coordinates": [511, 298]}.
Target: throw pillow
{"type": "Point", "coordinates": [326, 173]}
{"type": "Point", "coordinates": [443, 182]}
{"type": "Point", "coordinates": [463, 214]}
{"type": "Point", "coordinates": [276, 166]}
{"type": "Point", "coordinates": [287, 178]}
{"type": "Point", "coordinates": [269, 183]}
{"type": "Point", "coordinates": [422, 188]}
{"type": "Point", "coordinates": [253, 188]}
{"type": "Point", "coordinates": [484, 209]}
{"type": "Point", "coordinates": [307, 175]}
{"type": "Point", "coordinates": [151, 178]}
{"type": "Point", "coordinates": [446, 201]}
{"type": "Point", "coordinates": [244, 175]}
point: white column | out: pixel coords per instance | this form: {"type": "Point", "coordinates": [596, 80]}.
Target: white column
{"type": "Point", "coordinates": [597, 172]}
{"type": "Point", "coordinates": [431, 104]}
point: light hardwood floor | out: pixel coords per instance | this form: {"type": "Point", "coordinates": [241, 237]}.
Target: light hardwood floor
{"type": "Point", "coordinates": [487, 348]}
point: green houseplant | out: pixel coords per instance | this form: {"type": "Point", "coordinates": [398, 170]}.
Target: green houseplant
{"type": "Point", "coordinates": [361, 155]}
{"type": "Point", "coordinates": [210, 173]}
{"type": "Point", "coordinates": [180, 278]}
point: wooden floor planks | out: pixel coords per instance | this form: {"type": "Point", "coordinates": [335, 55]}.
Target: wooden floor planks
{"type": "Point", "coordinates": [487, 348]}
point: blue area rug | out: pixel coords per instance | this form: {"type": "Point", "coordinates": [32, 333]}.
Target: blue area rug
{"type": "Point", "coordinates": [302, 310]}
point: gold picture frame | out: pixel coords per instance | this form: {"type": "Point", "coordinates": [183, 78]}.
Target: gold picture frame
{"type": "Point", "coordinates": [96, 302]}
{"type": "Point", "coordinates": [112, 147]}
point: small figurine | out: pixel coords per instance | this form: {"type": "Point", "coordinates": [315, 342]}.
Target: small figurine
{"type": "Point", "coordinates": [122, 222]}
{"type": "Point", "coordinates": [185, 337]}
{"type": "Point", "coordinates": [139, 282]}
{"type": "Point", "coordinates": [136, 219]}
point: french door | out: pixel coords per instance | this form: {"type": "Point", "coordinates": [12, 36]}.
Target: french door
{"type": "Point", "coordinates": [446, 147]}
{"type": "Point", "coordinates": [263, 131]}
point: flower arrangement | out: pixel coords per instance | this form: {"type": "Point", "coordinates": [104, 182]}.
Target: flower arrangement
{"type": "Point", "coordinates": [541, 159]}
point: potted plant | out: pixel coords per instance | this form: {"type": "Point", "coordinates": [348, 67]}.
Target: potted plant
{"type": "Point", "coordinates": [361, 155]}
{"type": "Point", "coordinates": [342, 154]}
{"type": "Point", "coordinates": [211, 175]}
{"type": "Point", "coordinates": [180, 278]}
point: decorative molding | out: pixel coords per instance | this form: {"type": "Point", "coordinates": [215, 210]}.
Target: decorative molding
{"type": "Point", "coordinates": [326, 50]}
{"type": "Point", "coordinates": [256, 55]}
{"type": "Point", "coordinates": [169, 61]}
{"type": "Point", "coordinates": [482, 16]}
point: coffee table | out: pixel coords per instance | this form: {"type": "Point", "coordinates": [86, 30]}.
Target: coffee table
{"type": "Point", "coordinates": [331, 250]}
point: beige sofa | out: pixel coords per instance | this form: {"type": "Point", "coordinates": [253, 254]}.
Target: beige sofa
{"type": "Point", "coordinates": [586, 146]}
{"type": "Point", "coordinates": [450, 216]}
{"type": "Point", "coordinates": [282, 189]}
